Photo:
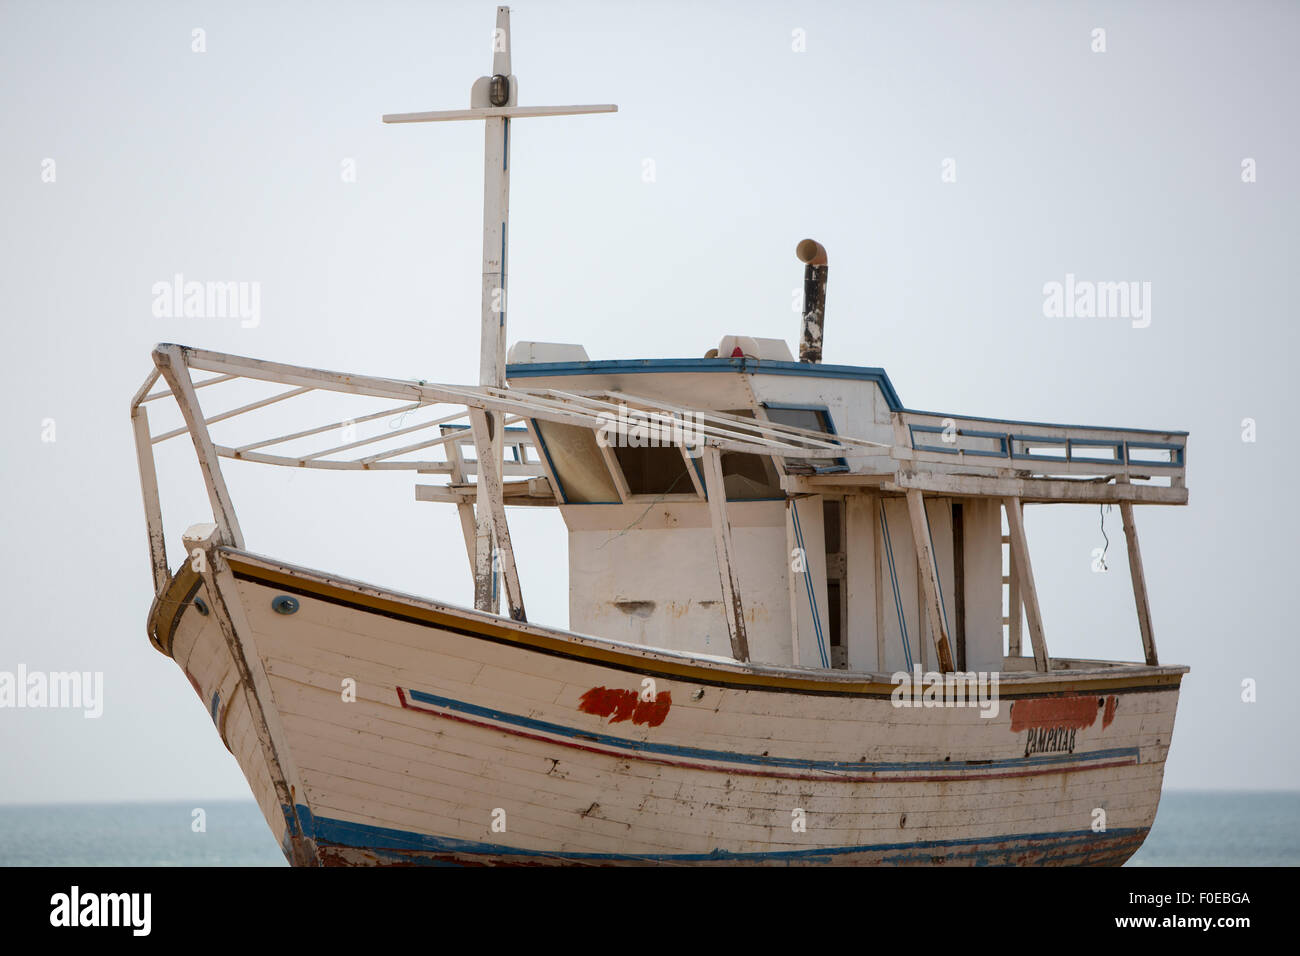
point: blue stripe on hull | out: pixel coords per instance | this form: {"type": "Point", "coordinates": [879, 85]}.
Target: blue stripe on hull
{"type": "Point", "coordinates": [340, 841]}
{"type": "Point", "coordinates": [795, 763]}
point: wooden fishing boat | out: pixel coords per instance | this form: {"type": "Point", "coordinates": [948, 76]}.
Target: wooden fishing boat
{"type": "Point", "coordinates": [793, 634]}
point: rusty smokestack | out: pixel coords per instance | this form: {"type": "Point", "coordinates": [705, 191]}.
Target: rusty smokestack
{"type": "Point", "coordinates": [813, 256]}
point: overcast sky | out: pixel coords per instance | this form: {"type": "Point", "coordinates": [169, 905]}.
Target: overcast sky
{"type": "Point", "coordinates": [228, 164]}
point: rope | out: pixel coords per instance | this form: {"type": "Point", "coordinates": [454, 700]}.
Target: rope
{"type": "Point", "coordinates": [1102, 560]}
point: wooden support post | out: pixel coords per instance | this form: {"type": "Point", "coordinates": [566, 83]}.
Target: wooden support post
{"type": "Point", "coordinates": [171, 363]}
{"type": "Point", "coordinates": [468, 526]}
{"type": "Point", "coordinates": [726, 551]}
{"type": "Point", "coordinates": [492, 341]}
{"type": "Point", "coordinates": [878, 548]}
{"type": "Point", "coordinates": [791, 575]}
{"type": "Point", "coordinates": [152, 506]}
{"type": "Point", "coordinates": [928, 576]}
{"type": "Point", "coordinates": [483, 563]}
{"type": "Point", "coordinates": [1139, 583]}
{"type": "Point", "coordinates": [491, 518]}
{"type": "Point", "coordinates": [959, 580]}
{"type": "Point", "coordinates": [1015, 607]}
{"type": "Point", "coordinates": [496, 213]}
{"type": "Point", "coordinates": [1025, 571]}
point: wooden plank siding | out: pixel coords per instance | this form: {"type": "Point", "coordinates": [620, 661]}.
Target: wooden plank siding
{"type": "Point", "coordinates": [413, 778]}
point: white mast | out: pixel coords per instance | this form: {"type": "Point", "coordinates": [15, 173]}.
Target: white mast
{"type": "Point", "coordinates": [494, 99]}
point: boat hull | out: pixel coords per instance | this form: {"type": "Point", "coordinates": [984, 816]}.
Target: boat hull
{"type": "Point", "coordinates": [406, 732]}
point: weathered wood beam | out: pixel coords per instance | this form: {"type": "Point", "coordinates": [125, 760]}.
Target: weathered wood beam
{"type": "Point", "coordinates": [1037, 489]}
{"type": "Point", "coordinates": [534, 492]}
{"type": "Point", "coordinates": [497, 112]}
{"type": "Point", "coordinates": [171, 364]}
{"type": "Point", "coordinates": [1139, 583]}
{"type": "Point", "coordinates": [791, 575]}
{"type": "Point", "coordinates": [726, 551]}
{"type": "Point", "coordinates": [465, 510]}
{"type": "Point", "coordinates": [490, 516]}
{"type": "Point", "coordinates": [1015, 607]}
{"type": "Point", "coordinates": [1025, 570]}
{"type": "Point", "coordinates": [929, 579]}
{"type": "Point", "coordinates": [878, 547]}
{"type": "Point", "coordinates": [149, 491]}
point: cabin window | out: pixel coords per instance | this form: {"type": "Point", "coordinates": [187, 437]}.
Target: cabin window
{"type": "Point", "coordinates": [655, 470]}
{"type": "Point", "coordinates": [578, 465]}
{"type": "Point", "coordinates": [747, 477]}
{"type": "Point", "coordinates": [516, 440]}
{"type": "Point", "coordinates": [811, 419]}
{"type": "Point", "coordinates": [750, 477]}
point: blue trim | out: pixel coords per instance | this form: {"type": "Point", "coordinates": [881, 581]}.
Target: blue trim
{"type": "Point", "coordinates": [1116, 446]}
{"type": "Point", "coordinates": [746, 365]}
{"type": "Point", "coordinates": [1007, 446]}
{"type": "Point", "coordinates": [1175, 460]}
{"type": "Point", "coordinates": [559, 486]}
{"type": "Point", "coordinates": [952, 449]}
{"type": "Point", "coordinates": [1062, 443]}
{"type": "Point", "coordinates": [893, 577]}
{"type": "Point", "coordinates": [1008, 421]}
{"type": "Point", "coordinates": [334, 832]}
{"type": "Point", "coordinates": [758, 760]}
{"type": "Point", "coordinates": [841, 464]}
{"type": "Point", "coordinates": [808, 583]}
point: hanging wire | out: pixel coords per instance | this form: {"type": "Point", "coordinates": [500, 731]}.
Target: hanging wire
{"type": "Point", "coordinates": [1102, 560]}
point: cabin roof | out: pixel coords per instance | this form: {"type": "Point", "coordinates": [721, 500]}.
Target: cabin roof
{"type": "Point", "coordinates": [749, 366]}
{"type": "Point", "coordinates": [755, 366]}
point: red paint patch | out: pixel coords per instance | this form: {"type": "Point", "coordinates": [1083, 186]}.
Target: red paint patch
{"type": "Point", "coordinates": [1073, 713]}
{"type": "Point", "coordinates": [618, 705]}
{"type": "Point", "coordinates": [608, 702]}
{"type": "Point", "coordinates": [1111, 703]}
{"type": "Point", "coordinates": [652, 712]}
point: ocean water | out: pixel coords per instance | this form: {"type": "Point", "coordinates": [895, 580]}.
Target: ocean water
{"type": "Point", "coordinates": [137, 834]}
{"type": "Point", "coordinates": [1202, 828]}
{"type": "Point", "coordinates": [1191, 829]}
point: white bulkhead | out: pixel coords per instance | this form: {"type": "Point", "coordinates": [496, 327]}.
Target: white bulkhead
{"type": "Point", "coordinates": [828, 581]}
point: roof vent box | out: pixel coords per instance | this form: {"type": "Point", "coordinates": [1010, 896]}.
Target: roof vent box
{"type": "Point", "coordinates": [765, 350]}
{"type": "Point", "coordinates": [531, 353]}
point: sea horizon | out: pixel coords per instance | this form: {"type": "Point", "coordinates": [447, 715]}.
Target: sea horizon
{"type": "Point", "coordinates": [1192, 828]}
